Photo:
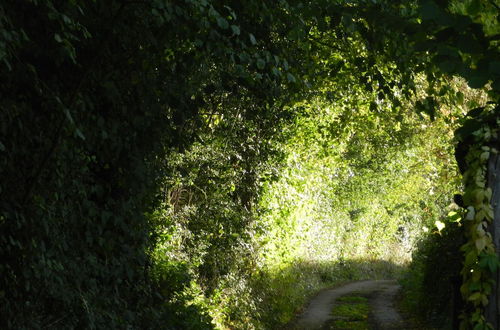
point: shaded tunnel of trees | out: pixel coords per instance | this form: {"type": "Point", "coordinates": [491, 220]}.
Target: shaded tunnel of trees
{"type": "Point", "coordinates": [200, 164]}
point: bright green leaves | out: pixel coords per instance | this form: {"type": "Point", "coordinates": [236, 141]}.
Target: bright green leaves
{"type": "Point", "coordinates": [140, 80]}
{"type": "Point", "coordinates": [439, 225]}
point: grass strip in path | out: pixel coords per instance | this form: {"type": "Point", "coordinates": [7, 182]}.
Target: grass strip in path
{"type": "Point", "coordinates": [350, 312]}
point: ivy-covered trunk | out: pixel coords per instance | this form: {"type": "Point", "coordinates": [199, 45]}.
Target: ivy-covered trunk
{"type": "Point", "coordinates": [478, 159]}
{"type": "Point", "coordinates": [492, 311]}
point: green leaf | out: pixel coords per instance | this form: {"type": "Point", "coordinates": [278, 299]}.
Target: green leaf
{"type": "Point", "coordinates": [489, 261]}
{"type": "Point", "coordinates": [222, 23]}
{"type": "Point", "coordinates": [447, 66]}
{"type": "Point", "coordinates": [474, 7]}
{"type": "Point", "coordinates": [58, 38]}
{"type": "Point", "coordinates": [476, 112]}
{"type": "Point", "coordinates": [470, 257]}
{"type": "Point", "coordinates": [429, 10]}
{"type": "Point", "coordinates": [68, 115]}
{"type": "Point", "coordinates": [494, 67]}
{"type": "Point", "coordinates": [496, 84]}
{"type": "Point", "coordinates": [480, 326]}
{"type": "Point", "coordinates": [468, 44]}
{"type": "Point", "coordinates": [480, 243]}
{"type": "Point", "coordinates": [79, 134]}
{"type": "Point", "coordinates": [261, 63]}
{"type": "Point", "coordinates": [252, 39]}
{"type": "Point", "coordinates": [285, 64]}
{"type": "Point", "coordinates": [244, 57]}
{"type": "Point", "coordinates": [493, 264]}
{"type": "Point", "coordinates": [474, 286]}
{"type": "Point", "coordinates": [474, 296]}
{"type": "Point", "coordinates": [439, 225]}
{"type": "Point", "coordinates": [236, 30]}
{"type": "Point", "coordinates": [469, 127]}
{"type": "Point", "coordinates": [477, 81]}
{"type": "Point", "coordinates": [290, 77]}
{"type": "Point", "coordinates": [454, 216]}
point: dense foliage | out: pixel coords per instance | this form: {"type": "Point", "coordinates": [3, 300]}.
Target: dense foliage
{"type": "Point", "coordinates": [199, 164]}
{"type": "Point", "coordinates": [97, 97]}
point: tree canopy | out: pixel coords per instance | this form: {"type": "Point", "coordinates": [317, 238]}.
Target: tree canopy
{"type": "Point", "coordinates": [187, 164]}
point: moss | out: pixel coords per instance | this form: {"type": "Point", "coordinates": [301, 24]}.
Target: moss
{"type": "Point", "coordinates": [351, 312]}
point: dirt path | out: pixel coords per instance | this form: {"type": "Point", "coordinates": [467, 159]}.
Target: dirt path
{"type": "Point", "coordinates": [384, 315]}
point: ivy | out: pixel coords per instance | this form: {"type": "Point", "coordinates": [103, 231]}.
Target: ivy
{"type": "Point", "coordinates": [137, 139]}
{"type": "Point", "coordinates": [480, 258]}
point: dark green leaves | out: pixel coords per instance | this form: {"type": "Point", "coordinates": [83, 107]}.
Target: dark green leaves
{"type": "Point", "coordinates": [469, 127]}
{"type": "Point", "coordinates": [474, 7]}
{"type": "Point", "coordinates": [236, 30]}
{"type": "Point", "coordinates": [261, 64]}
{"type": "Point", "coordinates": [253, 41]}
{"type": "Point", "coordinates": [222, 22]}
{"type": "Point", "coordinates": [489, 261]}
{"type": "Point", "coordinates": [494, 67]}
{"type": "Point", "coordinates": [477, 78]}
{"type": "Point", "coordinates": [429, 10]}
{"type": "Point", "coordinates": [427, 106]}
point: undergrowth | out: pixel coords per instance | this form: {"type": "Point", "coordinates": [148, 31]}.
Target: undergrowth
{"type": "Point", "coordinates": [284, 293]}
{"type": "Point", "coordinates": [431, 283]}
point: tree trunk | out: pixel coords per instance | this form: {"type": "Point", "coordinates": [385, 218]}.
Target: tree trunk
{"type": "Point", "coordinates": [492, 310]}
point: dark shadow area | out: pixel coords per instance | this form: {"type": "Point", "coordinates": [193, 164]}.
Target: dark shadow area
{"type": "Point", "coordinates": [431, 286]}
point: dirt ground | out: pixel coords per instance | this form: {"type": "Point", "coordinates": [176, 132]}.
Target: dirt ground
{"type": "Point", "coordinates": [382, 293]}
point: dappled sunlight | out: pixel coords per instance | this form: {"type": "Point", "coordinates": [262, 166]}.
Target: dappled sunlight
{"type": "Point", "coordinates": [379, 213]}
{"type": "Point", "coordinates": [284, 291]}
{"type": "Point", "coordinates": [341, 210]}
{"type": "Point", "coordinates": [202, 164]}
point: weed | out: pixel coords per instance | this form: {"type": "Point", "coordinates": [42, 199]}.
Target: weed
{"type": "Point", "coordinates": [351, 312]}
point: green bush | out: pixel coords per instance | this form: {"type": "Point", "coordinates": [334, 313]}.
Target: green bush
{"type": "Point", "coordinates": [430, 284]}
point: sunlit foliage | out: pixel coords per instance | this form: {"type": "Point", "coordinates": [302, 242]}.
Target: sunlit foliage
{"type": "Point", "coordinates": [199, 164]}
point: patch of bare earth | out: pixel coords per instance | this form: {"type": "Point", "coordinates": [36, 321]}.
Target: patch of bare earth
{"type": "Point", "coordinates": [382, 294]}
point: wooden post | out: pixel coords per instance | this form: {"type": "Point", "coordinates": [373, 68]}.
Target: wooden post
{"type": "Point", "coordinates": [492, 310]}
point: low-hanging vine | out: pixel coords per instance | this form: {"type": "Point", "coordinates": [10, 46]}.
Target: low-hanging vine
{"type": "Point", "coordinates": [480, 259]}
